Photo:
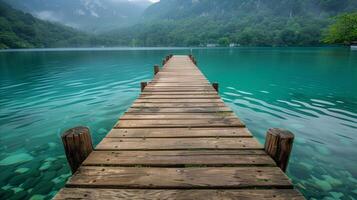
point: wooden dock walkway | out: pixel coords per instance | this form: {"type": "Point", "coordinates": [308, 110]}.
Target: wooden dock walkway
{"type": "Point", "coordinates": [179, 141]}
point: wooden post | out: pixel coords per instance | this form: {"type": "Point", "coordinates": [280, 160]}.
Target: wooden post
{"type": "Point", "coordinates": [143, 85]}
{"type": "Point", "coordinates": [192, 59]}
{"type": "Point", "coordinates": [156, 69]}
{"type": "Point", "coordinates": [215, 86]}
{"type": "Point", "coordinates": [77, 144]}
{"type": "Point", "coordinates": [278, 144]}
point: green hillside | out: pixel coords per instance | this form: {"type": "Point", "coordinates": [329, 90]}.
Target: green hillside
{"type": "Point", "coordinates": [245, 22]}
{"type": "Point", "coordinates": [22, 30]}
{"type": "Point", "coordinates": [190, 23]}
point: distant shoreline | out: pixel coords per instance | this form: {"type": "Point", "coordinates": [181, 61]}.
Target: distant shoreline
{"type": "Point", "coordinates": [158, 48]}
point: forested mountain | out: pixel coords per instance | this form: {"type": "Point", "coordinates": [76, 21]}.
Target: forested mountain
{"type": "Point", "coordinates": [21, 30]}
{"type": "Point", "coordinates": [245, 22]}
{"type": "Point", "coordinates": [87, 15]}
{"type": "Point", "coordinates": [173, 22]}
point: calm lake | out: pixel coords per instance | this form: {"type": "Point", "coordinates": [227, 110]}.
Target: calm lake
{"type": "Point", "coordinates": [310, 91]}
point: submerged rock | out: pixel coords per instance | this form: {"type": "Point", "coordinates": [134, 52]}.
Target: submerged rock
{"type": "Point", "coordinates": [50, 159]}
{"type": "Point", "coordinates": [16, 159]}
{"type": "Point", "coordinates": [323, 150]}
{"type": "Point", "coordinates": [45, 166]}
{"type": "Point", "coordinates": [17, 189]}
{"type": "Point", "coordinates": [102, 131]}
{"type": "Point", "coordinates": [38, 197]}
{"type": "Point", "coordinates": [324, 185]}
{"type": "Point", "coordinates": [336, 195]}
{"type": "Point", "coordinates": [332, 181]}
{"type": "Point", "coordinates": [22, 170]}
{"type": "Point", "coordinates": [52, 144]}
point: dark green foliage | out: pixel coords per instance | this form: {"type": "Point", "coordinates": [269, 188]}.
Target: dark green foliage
{"type": "Point", "coordinates": [191, 23]}
{"type": "Point", "coordinates": [343, 31]}
{"type": "Point", "coordinates": [22, 30]}
{"type": "Point", "coordinates": [244, 22]}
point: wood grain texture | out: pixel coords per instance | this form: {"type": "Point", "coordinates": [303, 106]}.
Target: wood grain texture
{"type": "Point", "coordinates": [177, 143]}
{"type": "Point", "coordinates": [215, 115]}
{"type": "Point", "coordinates": [178, 89]}
{"type": "Point", "coordinates": [176, 105]}
{"type": "Point", "coordinates": [185, 100]}
{"type": "Point", "coordinates": [181, 110]}
{"type": "Point", "coordinates": [193, 178]}
{"type": "Point", "coordinates": [142, 194]}
{"type": "Point", "coordinates": [180, 158]}
{"type": "Point", "coordinates": [198, 96]}
{"type": "Point", "coordinates": [179, 132]}
{"type": "Point", "coordinates": [179, 93]}
{"type": "Point", "coordinates": [177, 123]}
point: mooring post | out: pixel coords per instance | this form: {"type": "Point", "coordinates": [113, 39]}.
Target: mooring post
{"type": "Point", "coordinates": [192, 58]}
{"type": "Point", "coordinates": [77, 143]}
{"type": "Point", "coordinates": [143, 85]}
{"type": "Point", "coordinates": [167, 58]}
{"type": "Point", "coordinates": [156, 69]}
{"type": "Point", "coordinates": [215, 86]}
{"type": "Point", "coordinates": [278, 144]}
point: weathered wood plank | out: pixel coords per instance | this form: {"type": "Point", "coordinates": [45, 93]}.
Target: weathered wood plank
{"type": "Point", "coordinates": [179, 132]}
{"type": "Point", "coordinates": [176, 123]}
{"type": "Point", "coordinates": [176, 105]}
{"type": "Point", "coordinates": [181, 110]}
{"type": "Point", "coordinates": [180, 80]}
{"type": "Point", "coordinates": [193, 178]}
{"type": "Point", "coordinates": [177, 85]}
{"type": "Point", "coordinates": [186, 116]}
{"type": "Point", "coordinates": [178, 101]}
{"type": "Point", "coordinates": [179, 158]}
{"type": "Point", "coordinates": [177, 143]}
{"type": "Point", "coordinates": [205, 96]}
{"type": "Point", "coordinates": [140, 194]}
{"type": "Point", "coordinates": [179, 89]}
{"type": "Point", "coordinates": [179, 93]}
{"type": "Point", "coordinates": [179, 121]}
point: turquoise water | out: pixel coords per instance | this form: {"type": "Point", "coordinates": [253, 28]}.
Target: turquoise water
{"type": "Point", "coordinates": [310, 91]}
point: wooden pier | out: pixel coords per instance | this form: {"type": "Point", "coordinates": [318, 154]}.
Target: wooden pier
{"type": "Point", "coordinates": [180, 141]}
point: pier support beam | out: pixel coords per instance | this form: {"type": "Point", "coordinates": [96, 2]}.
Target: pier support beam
{"type": "Point", "coordinates": [143, 85]}
{"type": "Point", "coordinates": [278, 144]}
{"type": "Point", "coordinates": [156, 69]}
{"type": "Point", "coordinates": [215, 86]}
{"type": "Point", "coordinates": [77, 143]}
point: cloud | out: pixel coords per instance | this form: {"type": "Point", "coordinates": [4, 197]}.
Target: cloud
{"type": "Point", "coordinates": [47, 15]}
